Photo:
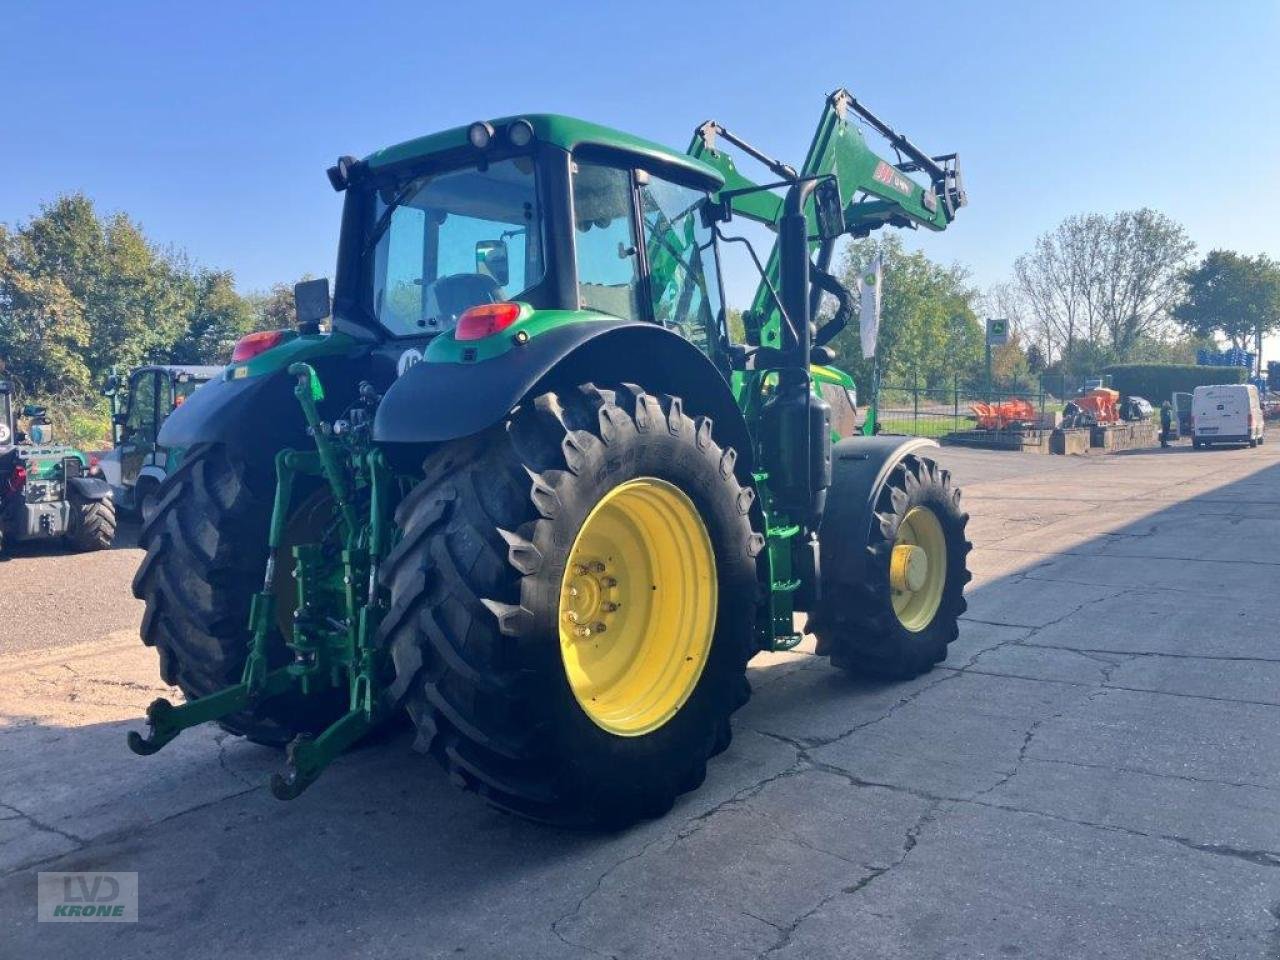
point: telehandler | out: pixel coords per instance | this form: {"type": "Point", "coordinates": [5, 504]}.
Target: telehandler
{"type": "Point", "coordinates": [526, 488]}
{"type": "Point", "coordinates": [48, 490]}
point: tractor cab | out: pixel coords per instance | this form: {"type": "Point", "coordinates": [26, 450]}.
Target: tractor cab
{"type": "Point", "coordinates": [543, 215]}
{"type": "Point", "coordinates": [140, 403]}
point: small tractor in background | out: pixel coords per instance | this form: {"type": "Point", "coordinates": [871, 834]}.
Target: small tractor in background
{"type": "Point", "coordinates": [529, 490]}
{"type": "Point", "coordinates": [140, 403]}
{"type": "Point", "coordinates": [49, 491]}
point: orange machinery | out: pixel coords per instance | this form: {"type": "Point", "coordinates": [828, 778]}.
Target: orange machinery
{"type": "Point", "coordinates": [1004, 414]}
{"type": "Point", "coordinates": [1102, 403]}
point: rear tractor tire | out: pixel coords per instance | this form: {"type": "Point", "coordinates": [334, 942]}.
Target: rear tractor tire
{"type": "Point", "coordinates": [891, 611]}
{"type": "Point", "coordinates": [206, 547]}
{"type": "Point", "coordinates": [92, 525]}
{"type": "Point", "coordinates": [572, 604]}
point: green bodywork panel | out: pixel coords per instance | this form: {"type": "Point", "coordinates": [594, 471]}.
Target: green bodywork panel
{"type": "Point", "coordinates": [565, 132]}
{"type": "Point", "coordinates": [295, 349]}
{"type": "Point", "coordinates": [445, 348]}
{"type": "Point", "coordinates": [45, 462]}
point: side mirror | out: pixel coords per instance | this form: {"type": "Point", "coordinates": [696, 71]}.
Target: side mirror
{"type": "Point", "coordinates": [491, 260]}
{"type": "Point", "coordinates": [828, 208]}
{"type": "Point", "coordinates": [311, 304]}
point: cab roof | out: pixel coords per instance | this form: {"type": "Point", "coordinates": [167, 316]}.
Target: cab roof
{"type": "Point", "coordinates": [565, 132]}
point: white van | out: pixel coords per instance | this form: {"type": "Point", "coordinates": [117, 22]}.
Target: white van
{"type": "Point", "coordinates": [1227, 413]}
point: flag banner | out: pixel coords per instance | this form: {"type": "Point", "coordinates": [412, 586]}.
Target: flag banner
{"type": "Point", "coordinates": [870, 282]}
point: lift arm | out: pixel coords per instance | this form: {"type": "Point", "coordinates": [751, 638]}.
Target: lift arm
{"type": "Point", "coordinates": [874, 192]}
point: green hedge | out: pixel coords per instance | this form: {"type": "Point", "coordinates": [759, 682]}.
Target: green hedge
{"type": "Point", "coordinates": [1157, 382]}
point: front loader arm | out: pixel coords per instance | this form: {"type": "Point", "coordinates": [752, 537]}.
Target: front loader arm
{"type": "Point", "coordinates": [874, 191]}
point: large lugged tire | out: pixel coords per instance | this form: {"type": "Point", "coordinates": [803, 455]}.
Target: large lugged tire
{"type": "Point", "coordinates": [206, 547]}
{"type": "Point", "coordinates": [479, 592]}
{"type": "Point", "coordinates": [857, 623]}
{"type": "Point", "coordinates": [92, 525]}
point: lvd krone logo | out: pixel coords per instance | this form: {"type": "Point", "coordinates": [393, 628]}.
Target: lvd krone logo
{"type": "Point", "coordinates": [88, 896]}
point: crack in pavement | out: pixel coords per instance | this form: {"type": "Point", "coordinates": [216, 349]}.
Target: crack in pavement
{"type": "Point", "coordinates": [1154, 774]}
{"type": "Point", "coordinates": [873, 873]}
{"type": "Point", "coordinates": [44, 827]}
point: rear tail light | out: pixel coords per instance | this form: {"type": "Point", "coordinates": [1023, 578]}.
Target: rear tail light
{"type": "Point", "coordinates": [252, 344]}
{"type": "Point", "coordinates": [18, 479]}
{"type": "Point", "coordinates": [485, 320]}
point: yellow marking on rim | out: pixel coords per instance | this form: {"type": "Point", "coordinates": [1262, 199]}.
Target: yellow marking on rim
{"type": "Point", "coordinates": [918, 569]}
{"type": "Point", "coordinates": [638, 606]}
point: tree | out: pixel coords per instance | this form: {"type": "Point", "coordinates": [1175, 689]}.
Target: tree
{"type": "Point", "coordinates": [134, 297]}
{"type": "Point", "coordinates": [1036, 361]}
{"type": "Point", "coordinates": [1231, 294]}
{"type": "Point", "coordinates": [1105, 281]}
{"type": "Point", "coordinates": [219, 317]}
{"type": "Point", "coordinates": [929, 326]}
{"type": "Point", "coordinates": [43, 332]}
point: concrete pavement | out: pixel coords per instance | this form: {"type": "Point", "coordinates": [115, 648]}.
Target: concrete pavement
{"type": "Point", "coordinates": [1094, 773]}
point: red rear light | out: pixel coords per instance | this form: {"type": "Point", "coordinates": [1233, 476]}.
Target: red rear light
{"type": "Point", "coordinates": [18, 479]}
{"type": "Point", "coordinates": [485, 320]}
{"type": "Point", "coordinates": [252, 344]}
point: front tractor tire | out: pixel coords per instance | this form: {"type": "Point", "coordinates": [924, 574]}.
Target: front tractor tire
{"type": "Point", "coordinates": [893, 590]}
{"type": "Point", "coordinates": [572, 604]}
{"type": "Point", "coordinates": [92, 524]}
{"type": "Point", "coordinates": [206, 548]}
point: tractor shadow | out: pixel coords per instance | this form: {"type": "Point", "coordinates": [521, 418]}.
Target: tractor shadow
{"type": "Point", "coordinates": [127, 531]}
{"type": "Point", "coordinates": [383, 840]}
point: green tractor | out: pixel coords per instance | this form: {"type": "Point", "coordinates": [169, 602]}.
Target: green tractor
{"type": "Point", "coordinates": [49, 491]}
{"type": "Point", "coordinates": [527, 489]}
{"type": "Point", "coordinates": [140, 402]}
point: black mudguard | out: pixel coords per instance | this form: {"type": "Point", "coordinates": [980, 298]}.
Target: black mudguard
{"type": "Point", "coordinates": [89, 488]}
{"type": "Point", "coordinates": [860, 466]}
{"type": "Point", "coordinates": [438, 402]}
{"type": "Point", "coordinates": [257, 411]}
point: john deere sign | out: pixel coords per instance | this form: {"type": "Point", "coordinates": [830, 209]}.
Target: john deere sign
{"type": "Point", "coordinates": [997, 332]}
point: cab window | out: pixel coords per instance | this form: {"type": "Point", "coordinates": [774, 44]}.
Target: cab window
{"type": "Point", "coordinates": [141, 421]}
{"type": "Point", "coordinates": [605, 239]}
{"type": "Point", "coordinates": [684, 283]}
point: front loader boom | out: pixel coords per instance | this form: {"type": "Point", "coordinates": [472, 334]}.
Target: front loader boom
{"type": "Point", "coordinates": [875, 192]}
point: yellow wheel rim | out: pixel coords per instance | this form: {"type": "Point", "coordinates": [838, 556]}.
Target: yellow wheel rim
{"type": "Point", "coordinates": [918, 569]}
{"type": "Point", "coordinates": [638, 607]}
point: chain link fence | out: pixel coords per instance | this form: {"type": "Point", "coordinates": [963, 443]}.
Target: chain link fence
{"type": "Point", "coordinates": [976, 414]}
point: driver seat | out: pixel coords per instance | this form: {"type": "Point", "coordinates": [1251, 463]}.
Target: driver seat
{"type": "Point", "coordinates": [449, 296]}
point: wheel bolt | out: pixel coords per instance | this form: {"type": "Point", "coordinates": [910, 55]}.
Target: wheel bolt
{"type": "Point", "coordinates": [597, 567]}
{"type": "Point", "coordinates": [599, 628]}
{"type": "Point", "coordinates": [609, 606]}
{"type": "Point", "coordinates": [579, 569]}
{"type": "Point", "coordinates": [583, 632]}
{"type": "Point", "coordinates": [608, 582]}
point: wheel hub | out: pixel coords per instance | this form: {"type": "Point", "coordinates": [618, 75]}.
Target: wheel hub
{"type": "Point", "coordinates": [918, 568]}
{"type": "Point", "coordinates": [638, 606]}
{"type": "Point", "coordinates": [910, 567]}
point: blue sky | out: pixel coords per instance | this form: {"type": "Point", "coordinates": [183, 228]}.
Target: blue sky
{"type": "Point", "coordinates": [212, 124]}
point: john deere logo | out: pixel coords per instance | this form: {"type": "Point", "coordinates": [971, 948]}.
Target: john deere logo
{"type": "Point", "coordinates": [407, 360]}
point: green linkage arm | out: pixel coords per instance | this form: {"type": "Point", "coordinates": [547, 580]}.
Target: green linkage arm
{"type": "Point", "coordinates": [309, 392]}
{"type": "Point", "coordinates": [875, 192]}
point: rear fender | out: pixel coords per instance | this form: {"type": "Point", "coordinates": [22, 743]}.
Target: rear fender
{"type": "Point", "coordinates": [435, 402]}
{"type": "Point", "coordinates": [89, 488]}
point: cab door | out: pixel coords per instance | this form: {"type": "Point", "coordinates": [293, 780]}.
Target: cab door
{"type": "Point", "coordinates": [141, 425]}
